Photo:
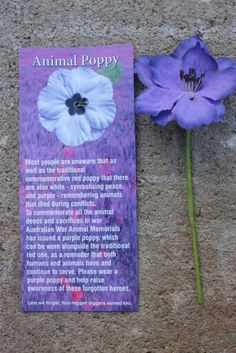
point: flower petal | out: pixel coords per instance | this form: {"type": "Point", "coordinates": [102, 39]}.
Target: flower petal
{"type": "Point", "coordinates": [225, 63]}
{"type": "Point", "coordinates": [143, 70]}
{"type": "Point", "coordinates": [166, 71]}
{"type": "Point", "coordinates": [101, 115]}
{"type": "Point", "coordinates": [187, 44]}
{"type": "Point", "coordinates": [220, 111]}
{"type": "Point", "coordinates": [73, 131]}
{"type": "Point", "coordinates": [49, 124]}
{"type": "Point", "coordinates": [101, 91]}
{"type": "Point", "coordinates": [87, 83]}
{"type": "Point", "coordinates": [163, 117]}
{"type": "Point", "coordinates": [199, 60]}
{"type": "Point", "coordinates": [218, 84]}
{"type": "Point", "coordinates": [57, 79]}
{"type": "Point", "coordinates": [96, 133]}
{"type": "Point", "coordinates": [51, 101]}
{"type": "Point", "coordinates": [155, 99]}
{"type": "Point", "coordinates": [76, 79]}
{"type": "Point", "coordinates": [192, 113]}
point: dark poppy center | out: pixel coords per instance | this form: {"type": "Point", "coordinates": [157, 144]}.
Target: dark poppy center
{"type": "Point", "coordinates": [76, 104]}
{"type": "Point", "coordinates": [190, 80]}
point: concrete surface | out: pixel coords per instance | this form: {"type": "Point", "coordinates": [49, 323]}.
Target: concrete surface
{"type": "Point", "coordinates": [169, 320]}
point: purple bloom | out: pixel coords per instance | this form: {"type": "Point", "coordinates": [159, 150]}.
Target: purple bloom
{"type": "Point", "coordinates": [186, 86]}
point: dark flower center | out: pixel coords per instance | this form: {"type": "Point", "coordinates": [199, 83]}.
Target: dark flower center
{"type": "Point", "coordinates": [76, 104]}
{"type": "Point", "coordinates": [190, 80]}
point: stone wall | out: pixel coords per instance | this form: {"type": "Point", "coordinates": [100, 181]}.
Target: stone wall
{"type": "Point", "coordinates": [169, 319]}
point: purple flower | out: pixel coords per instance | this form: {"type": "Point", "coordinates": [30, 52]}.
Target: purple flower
{"type": "Point", "coordinates": [186, 86]}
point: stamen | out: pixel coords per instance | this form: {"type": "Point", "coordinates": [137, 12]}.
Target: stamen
{"type": "Point", "coordinates": [191, 82]}
{"type": "Point", "coordinates": [81, 102]}
{"type": "Point", "coordinates": [76, 104]}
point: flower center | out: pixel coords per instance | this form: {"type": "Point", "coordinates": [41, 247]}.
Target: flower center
{"type": "Point", "coordinates": [76, 104]}
{"type": "Point", "coordinates": [190, 81]}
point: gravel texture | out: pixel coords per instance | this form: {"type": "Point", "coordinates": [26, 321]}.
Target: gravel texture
{"type": "Point", "coordinates": [169, 320]}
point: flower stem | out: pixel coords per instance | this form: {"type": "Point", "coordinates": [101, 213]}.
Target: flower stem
{"type": "Point", "coordinates": [192, 220]}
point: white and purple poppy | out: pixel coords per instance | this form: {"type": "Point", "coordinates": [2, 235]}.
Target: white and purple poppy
{"type": "Point", "coordinates": [77, 105]}
{"type": "Point", "coordinates": [187, 86]}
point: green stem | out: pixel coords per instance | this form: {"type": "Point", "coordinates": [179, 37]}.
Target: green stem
{"type": "Point", "coordinates": [192, 221]}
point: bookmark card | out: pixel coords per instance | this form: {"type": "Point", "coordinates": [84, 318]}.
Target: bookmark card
{"type": "Point", "coordinates": [77, 179]}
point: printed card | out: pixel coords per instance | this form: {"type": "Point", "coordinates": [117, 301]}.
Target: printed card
{"type": "Point", "coordinates": [77, 179]}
